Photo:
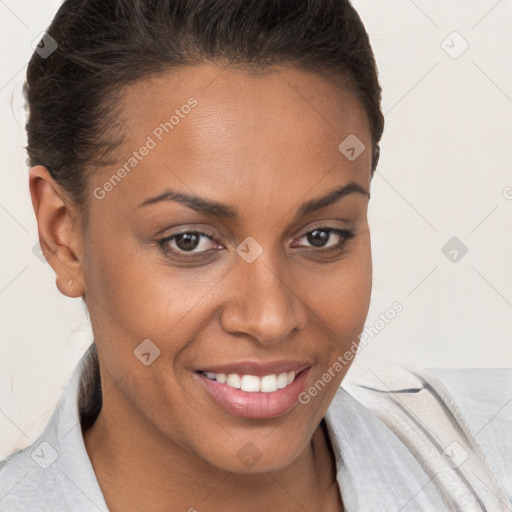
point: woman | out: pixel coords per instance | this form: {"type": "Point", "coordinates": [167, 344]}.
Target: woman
{"type": "Point", "coordinates": [200, 173]}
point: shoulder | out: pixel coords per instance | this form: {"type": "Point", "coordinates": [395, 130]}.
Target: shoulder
{"type": "Point", "coordinates": [483, 396]}
{"type": "Point", "coordinates": [55, 473]}
{"type": "Point", "coordinates": [27, 481]}
{"type": "Point", "coordinates": [480, 393]}
{"type": "Point", "coordinates": [462, 417]}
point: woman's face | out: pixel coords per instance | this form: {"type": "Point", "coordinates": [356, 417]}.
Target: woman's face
{"type": "Point", "coordinates": [248, 262]}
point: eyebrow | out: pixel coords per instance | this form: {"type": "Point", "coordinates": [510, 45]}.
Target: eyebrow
{"type": "Point", "coordinates": [221, 210]}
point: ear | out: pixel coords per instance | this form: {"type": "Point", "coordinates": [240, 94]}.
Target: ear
{"type": "Point", "coordinates": [59, 228]}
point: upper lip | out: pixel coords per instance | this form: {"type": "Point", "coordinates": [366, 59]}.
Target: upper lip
{"type": "Point", "coordinates": [257, 368]}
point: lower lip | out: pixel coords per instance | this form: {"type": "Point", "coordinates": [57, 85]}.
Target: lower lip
{"type": "Point", "coordinates": [255, 405]}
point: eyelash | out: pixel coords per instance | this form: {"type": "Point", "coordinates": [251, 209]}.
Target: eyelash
{"type": "Point", "coordinates": [345, 234]}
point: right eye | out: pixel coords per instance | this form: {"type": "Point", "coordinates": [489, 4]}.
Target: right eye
{"type": "Point", "coordinates": [187, 242]}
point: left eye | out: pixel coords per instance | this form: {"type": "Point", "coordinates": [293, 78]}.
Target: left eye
{"type": "Point", "coordinates": [319, 237]}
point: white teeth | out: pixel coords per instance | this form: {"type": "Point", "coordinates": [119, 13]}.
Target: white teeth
{"type": "Point", "coordinates": [282, 380]}
{"type": "Point", "coordinates": [233, 380]}
{"type": "Point", "coordinates": [269, 384]}
{"type": "Point", "coordinates": [252, 383]}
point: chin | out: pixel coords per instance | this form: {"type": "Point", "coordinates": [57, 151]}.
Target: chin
{"type": "Point", "coordinates": [256, 456]}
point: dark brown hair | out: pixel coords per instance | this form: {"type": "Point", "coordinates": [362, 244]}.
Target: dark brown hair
{"type": "Point", "coordinates": [104, 45]}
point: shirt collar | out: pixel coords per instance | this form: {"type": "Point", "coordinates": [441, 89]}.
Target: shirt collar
{"type": "Point", "coordinates": [375, 470]}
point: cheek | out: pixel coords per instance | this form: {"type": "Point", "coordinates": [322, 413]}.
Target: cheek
{"type": "Point", "coordinates": [135, 286]}
{"type": "Point", "coordinates": [134, 294]}
{"type": "Point", "coordinates": [340, 305]}
{"type": "Point", "coordinates": [339, 294]}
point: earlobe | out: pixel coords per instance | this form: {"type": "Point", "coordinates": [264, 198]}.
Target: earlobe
{"type": "Point", "coordinates": [59, 235]}
{"type": "Point", "coordinates": [71, 288]}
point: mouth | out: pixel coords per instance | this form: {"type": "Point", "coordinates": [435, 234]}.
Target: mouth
{"type": "Point", "coordinates": [251, 396]}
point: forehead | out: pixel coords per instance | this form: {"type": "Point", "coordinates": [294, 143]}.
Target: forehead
{"type": "Point", "coordinates": [234, 99]}
{"type": "Point", "coordinates": [208, 126]}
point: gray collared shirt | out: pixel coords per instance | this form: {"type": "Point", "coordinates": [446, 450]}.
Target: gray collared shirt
{"type": "Point", "coordinates": [426, 440]}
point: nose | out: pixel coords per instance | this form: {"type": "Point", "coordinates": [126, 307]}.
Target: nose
{"type": "Point", "coordinates": [262, 304]}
